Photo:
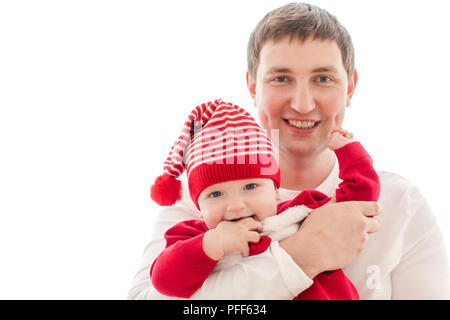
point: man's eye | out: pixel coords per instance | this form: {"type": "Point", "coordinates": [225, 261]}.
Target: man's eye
{"type": "Point", "coordinates": [250, 186]}
{"type": "Point", "coordinates": [215, 194]}
{"type": "Point", "coordinates": [323, 79]}
{"type": "Point", "coordinates": [281, 79]}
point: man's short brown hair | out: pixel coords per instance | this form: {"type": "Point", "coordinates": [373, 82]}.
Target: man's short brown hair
{"type": "Point", "coordinates": [299, 21]}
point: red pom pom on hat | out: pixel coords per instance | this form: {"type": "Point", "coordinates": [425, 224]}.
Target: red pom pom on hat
{"type": "Point", "coordinates": [166, 190]}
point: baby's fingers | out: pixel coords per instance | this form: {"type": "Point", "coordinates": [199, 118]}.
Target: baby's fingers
{"type": "Point", "coordinates": [245, 250]}
{"type": "Point", "coordinates": [252, 224]}
{"type": "Point", "coordinates": [253, 236]}
{"type": "Point", "coordinates": [348, 135]}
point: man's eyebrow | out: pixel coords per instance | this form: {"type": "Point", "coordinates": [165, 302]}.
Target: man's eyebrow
{"type": "Point", "coordinates": [325, 69]}
{"type": "Point", "coordinates": [331, 69]}
{"type": "Point", "coordinates": [278, 70]}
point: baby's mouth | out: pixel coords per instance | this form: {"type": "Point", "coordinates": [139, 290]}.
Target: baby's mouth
{"type": "Point", "coordinates": [237, 219]}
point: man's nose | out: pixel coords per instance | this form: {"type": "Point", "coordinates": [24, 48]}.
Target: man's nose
{"type": "Point", "coordinates": [302, 99]}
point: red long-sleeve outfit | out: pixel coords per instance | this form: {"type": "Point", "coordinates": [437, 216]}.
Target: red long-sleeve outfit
{"type": "Point", "coordinates": [182, 267]}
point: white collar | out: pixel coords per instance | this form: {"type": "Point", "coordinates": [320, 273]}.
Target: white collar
{"type": "Point", "coordinates": [328, 186]}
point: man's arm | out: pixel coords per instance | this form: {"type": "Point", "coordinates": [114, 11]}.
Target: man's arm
{"type": "Point", "coordinates": [316, 249]}
{"type": "Point", "coordinates": [274, 274]}
{"type": "Point", "coordinates": [166, 218]}
{"type": "Point", "coordinates": [423, 271]}
{"type": "Point", "coordinates": [270, 275]}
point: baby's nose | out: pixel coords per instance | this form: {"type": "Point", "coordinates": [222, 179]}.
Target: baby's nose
{"type": "Point", "coordinates": [236, 206]}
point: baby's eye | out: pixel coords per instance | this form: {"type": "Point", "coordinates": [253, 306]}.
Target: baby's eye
{"type": "Point", "coordinates": [215, 194]}
{"type": "Point", "coordinates": [250, 186]}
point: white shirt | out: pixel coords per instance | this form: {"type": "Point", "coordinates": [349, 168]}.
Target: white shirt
{"type": "Point", "coordinates": [405, 259]}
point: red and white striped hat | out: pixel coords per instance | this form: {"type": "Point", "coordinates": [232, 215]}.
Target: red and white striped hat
{"type": "Point", "coordinates": [219, 142]}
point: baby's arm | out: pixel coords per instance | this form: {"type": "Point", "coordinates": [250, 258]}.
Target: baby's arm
{"type": "Point", "coordinates": [192, 252]}
{"type": "Point", "coordinates": [360, 180]}
{"type": "Point", "coordinates": [280, 279]}
{"type": "Point", "coordinates": [182, 267]}
{"type": "Point", "coordinates": [339, 138]}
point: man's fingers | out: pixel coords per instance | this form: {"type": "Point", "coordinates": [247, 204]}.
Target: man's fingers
{"type": "Point", "coordinates": [372, 209]}
{"type": "Point", "coordinates": [373, 225]}
{"type": "Point", "coordinates": [368, 208]}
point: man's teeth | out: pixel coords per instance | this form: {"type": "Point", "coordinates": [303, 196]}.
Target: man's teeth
{"type": "Point", "coordinates": [302, 124]}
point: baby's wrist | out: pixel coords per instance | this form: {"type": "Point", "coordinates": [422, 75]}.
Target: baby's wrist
{"type": "Point", "coordinates": [337, 145]}
{"type": "Point", "coordinates": [211, 245]}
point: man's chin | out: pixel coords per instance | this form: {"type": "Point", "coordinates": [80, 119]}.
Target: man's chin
{"type": "Point", "coordinates": [303, 149]}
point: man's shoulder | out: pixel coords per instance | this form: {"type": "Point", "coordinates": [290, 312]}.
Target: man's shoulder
{"type": "Point", "coordinates": [395, 182]}
{"type": "Point", "coordinates": [400, 195]}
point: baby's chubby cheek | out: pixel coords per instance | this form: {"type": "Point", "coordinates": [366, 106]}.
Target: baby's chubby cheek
{"type": "Point", "coordinates": [268, 212]}
{"type": "Point", "coordinates": [210, 221]}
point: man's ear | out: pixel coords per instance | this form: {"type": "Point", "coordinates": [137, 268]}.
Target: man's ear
{"type": "Point", "coordinates": [251, 85]}
{"type": "Point", "coordinates": [351, 87]}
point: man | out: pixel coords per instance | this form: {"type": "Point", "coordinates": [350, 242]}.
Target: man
{"type": "Point", "coordinates": [301, 77]}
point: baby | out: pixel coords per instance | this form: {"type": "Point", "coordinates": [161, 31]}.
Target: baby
{"type": "Point", "coordinates": [233, 180]}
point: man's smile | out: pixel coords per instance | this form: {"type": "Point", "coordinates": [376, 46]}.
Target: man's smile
{"type": "Point", "coordinates": [303, 124]}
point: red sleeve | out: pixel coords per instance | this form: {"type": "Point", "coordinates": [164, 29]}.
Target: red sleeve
{"type": "Point", "coordinates": [360, 180]}
{"type": "Point", "coordinates": [182, 267]}
{"type": "Point", "coordinates": [311, 198]}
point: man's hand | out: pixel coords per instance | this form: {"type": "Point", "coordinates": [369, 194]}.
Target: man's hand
{"type": "Point", "coordinates": [230, 236]}
{"type": "Point", "coordinates": [332, 236]}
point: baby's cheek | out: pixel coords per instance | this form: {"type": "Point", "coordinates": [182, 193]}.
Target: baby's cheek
{"type": "Point", "coordinates": [211, 220]}
{"type": "Point", "coordinates": [266, 211]}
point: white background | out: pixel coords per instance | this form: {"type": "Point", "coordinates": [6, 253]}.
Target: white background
{"type": "Point", "coordinates": [93, 94]}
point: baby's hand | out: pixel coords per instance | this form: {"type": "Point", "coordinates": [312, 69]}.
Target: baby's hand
{"type": "Point", "coordinates": [339, 138]}
{"type": "Point", "coordinates": [230, 236]}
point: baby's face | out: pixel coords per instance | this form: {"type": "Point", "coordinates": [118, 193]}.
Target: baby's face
{"type": "Point", "coordinates": [237, 199]}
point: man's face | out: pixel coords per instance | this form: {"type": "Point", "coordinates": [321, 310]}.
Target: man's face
{"type": "Point", "coordinates": [238, 199]}
{"type": "Point", "coordinates": [302, 89]}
